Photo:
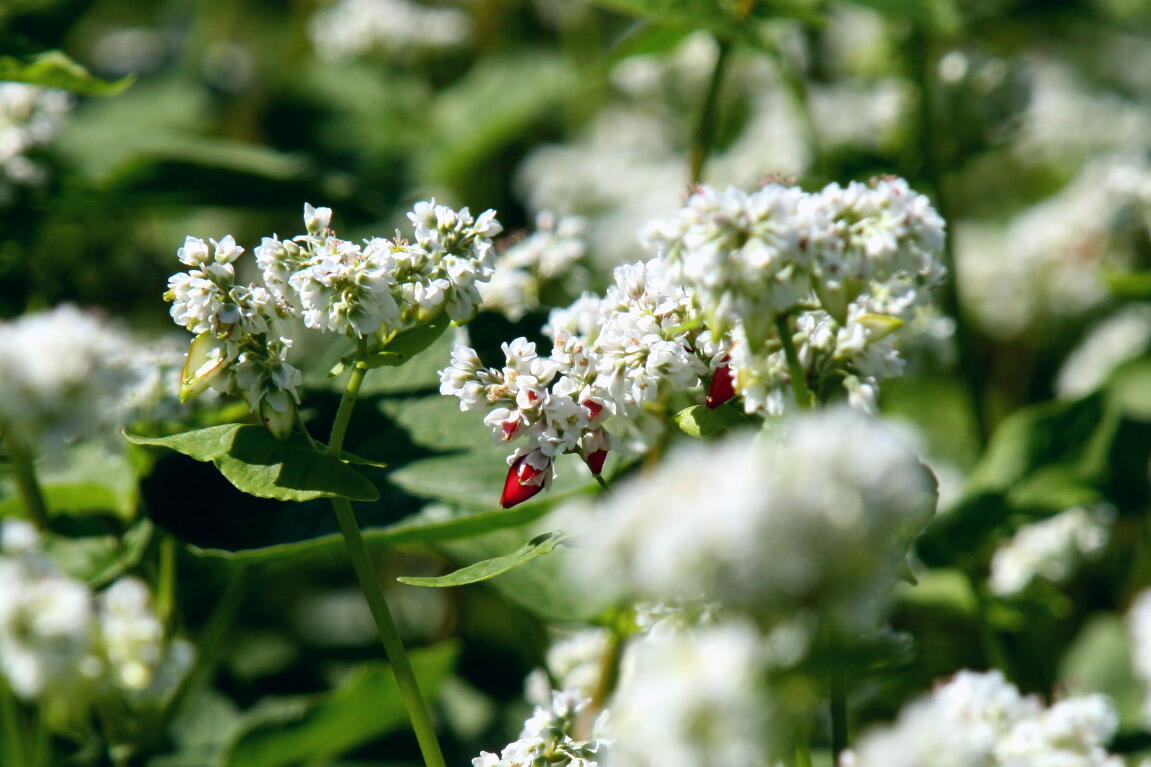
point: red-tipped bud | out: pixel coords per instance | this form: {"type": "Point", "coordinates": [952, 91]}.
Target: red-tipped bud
{"type": "Point", "coordinates": [595, 461]}
{"type": "Point", "coordinates": [722, 386]}
{"type": "Point", "coordinates": [523, 481]}
{"type": "Point", "coordinates": [509, 429]}
{"type": "Point", "coordinates": [593, 448]}
{"type": "Point", "coordinates": [594, 408]}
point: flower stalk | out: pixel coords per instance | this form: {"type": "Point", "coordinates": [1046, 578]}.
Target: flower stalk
{"type": "Point", "coordinates": [27, 486]}
{"type": "Point", "coordinates": [370, 586]}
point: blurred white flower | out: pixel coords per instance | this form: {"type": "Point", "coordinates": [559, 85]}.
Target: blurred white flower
{"type": "Point", "coordinates": [547, 738]}
{"type": "Point", "coordinates": [1117, 339]}
{"type": "Point", "coordinates": [1050, 549]}
{"type": "Point", "coordinates": [817, 523]}
{"type": "Point", "coordinates": [397, 28]}
{"type": "Point", "coordinates": [981, 720]}
{"type": "Point", "coordinates": [29, 117]}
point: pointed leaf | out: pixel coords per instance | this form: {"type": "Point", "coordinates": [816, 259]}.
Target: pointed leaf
{"type": "Point", "coordinates": [409, 343]}
{"type": "Point", "coordinates": [490, 568]}
{"type": "Point", "coordinates": [261, 465]}
{"type": "Point", "coordinates": [53, 69]}
{"type": "Point", "coordinates": [702, 421]}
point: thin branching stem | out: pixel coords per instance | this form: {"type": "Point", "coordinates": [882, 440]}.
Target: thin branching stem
{"type": "Point", "coordinates": [27, 486]}
{"type": "Point", "coordinates": [803, 396]}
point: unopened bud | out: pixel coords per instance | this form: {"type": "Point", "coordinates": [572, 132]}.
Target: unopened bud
{"type": "Point", "coordinates": [524, 480]}
{"type": "Point", "coordinates": [722, 386]}
{"type": "Point", "coordinates": [316, 219]}
{"type": "Point", "coordinates": [277, 412]}
{"type": "Point", "coordinates": [207, 358]}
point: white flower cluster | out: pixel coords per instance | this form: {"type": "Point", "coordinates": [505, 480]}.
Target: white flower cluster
{"type": "Point", "coordinates": [397, 28]}
{"type": "Point", "coordinates": [1139, 629]}
{"type": "Point", "coordinates": [853, 262]}
{"type": "Point", "coordinates": [29, 118]}
{"type": "Point", "coordinates": [610, 356]}
{"type": "Point", "coordinates": [1028, 278]}
{"type": "Point", "coordinates": [981, 720]}
{"type": "Point", "coordinates": [695, 698]}
{"type": "Point", "coordinates": [60, 643]}
{"type": "Point", "coordinates": [817, 523]}
{"type": "Point", "coordinates": [367, 292]}
{"type": "Point", "coordinates": [546, 738]}
{"type": "Point", "coordinates": [1050, 549]}
{"type": "Point", "coordinates": [63, 377]}
{"type": "Point", "coordinates": [538, 262]}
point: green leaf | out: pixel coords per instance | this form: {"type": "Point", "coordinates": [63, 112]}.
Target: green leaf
{"type": "Point", "coordinates": [1130, 285]}
{"type": "Point", "coordinates": [409, 343]}
{"type": "Point", "coordinates": [53, 69]}
{"type": "Point", "coordinates": [315, 729]}
{"type": "Point", "coordinates": [490, 568]}
{"type": "Point", "coordinates": [259, 464]}
{"type": "Point", "coordinates": [85, 480]}
{"type": "Point", "coordinates": [100, 559]}
{"type": "Point", "coordinates": [1099, 661]}
{"type": "Point", "coordinates": [703, 421]}
{"type": "Point", "coordinates": [712, 15]}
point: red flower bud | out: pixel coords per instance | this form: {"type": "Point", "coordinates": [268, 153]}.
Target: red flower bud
{"type": "Point", "coordinates": [722, 386]}
{"type": "Point", "coordinates": [523, 481]}
{"type": "Point", "coordinates": [510, 428]}
{"type": "Point", "coordinates": [595, 460]}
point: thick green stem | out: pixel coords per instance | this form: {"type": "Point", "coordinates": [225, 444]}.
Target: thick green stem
{"type": "Point", "coordinates": [803, 396]}
{"type": "Point", "coordinates": [704, 134]}
{"type": "Point", "coordinates": [370, 585]}
{"type": "Point", "coordinates": [166, 579]}
{"type": "Point", "coordinates": [24, 474]}
{"type": "Point", "coordinates": [12, 746]}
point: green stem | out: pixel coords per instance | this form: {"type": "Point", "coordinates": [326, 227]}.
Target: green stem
{"type": "Point", "coordinates": [993, 649]}
{"type": "Point", "coordinates": [207, 647]}
{"type": "Point", "coordinates": [27, 486]}
{"type": "Point", "coordinates": [12, 747]}
{"type": "Point", "coordinates": [370, 585]}
{"type": "Point", "coordinates": [803, 753]}
{"type": "Point", "coordinates": [166, 579]}
{"type": "Point", "coordinates": [602, 482]}
{"type": "Point", "coordinates": [803, 396]}
{"type": "Point", "coordinates": [838, 715]}
{"type": "Point", "coordinates": [704, 134]}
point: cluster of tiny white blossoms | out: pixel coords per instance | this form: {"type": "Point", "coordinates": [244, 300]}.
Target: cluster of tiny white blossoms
{"type": "Point", "coordinates": [731, 269]}
{"type": "Point", "coordinates": [981, 720]}
{"type": "Point", "coordinates": [815, 523]}
{"type": "Point", "coordinates": [366, 292]}
{"type": "Point", "coordinates": [851, 263]}
{"type": "Point", "coordinates": [397, 28]}
{"type": "Point", "coordinates": [610, 356]}
{"type": "Point", "coordinates": [1050, 549]}
{"type": "Point", "coordinates": [547, 737]}
{"type": "Point", "coordinates": [29, 118]}
{"type": "Point", "coordinates": [65, 375]}
{"type": "Point", "coordinates": [543, 260]}
{"type": "Point", "coordinates": [61, 645]}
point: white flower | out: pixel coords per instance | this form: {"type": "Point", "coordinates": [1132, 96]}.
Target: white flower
{"type": "Point", "coordinates": [30, 117]}
{"type": "Point", "coordinates": [1050, 549]}
{"type": "Point", "coordinates": [1139, 628]}
{"type": "Point", "coordinates": [538, 261]}
{"type": "Point", "coordinates": [547, 737]}
{"type": "Point", "coordinates": [63, 377]}
{"type": "Point", "coordinates": [398, 28]}
{"type": "Point", "coordinates": [818, 522]}
{"type": "Point", "coordinates": [695, 698]}
{"type": "Point", "coordinates": [981, 720]}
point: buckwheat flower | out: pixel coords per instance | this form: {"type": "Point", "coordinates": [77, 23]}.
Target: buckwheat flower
{"type": "Point", "coordinates": [30, 117]}
{"type": "Point", "coordinates": [346, 289]}
{"type": "Point", "coordinates": [206, 298]}
{"type": "Point", "coordinates": [575, 659]}
{"type": "Point", "coordinates": [695, 698]}
{"type": "Point", "coordinates": [63, 377]}
{"type": "Point", "coordinates": [397, 28]}
{"type": "Point", "coordinates": [547, 738]}
{"type": "Point", "coordinates": [1121, 337]}
{"type": "Point", "coordinates": [46, 621]}
{"type": "Point", "coordinates": [817, 523]}
{"type": "Point", "coordinates": [981, 720]}
{"type": "Point", "coordinates": [741, 254]}
{"type": "Point", "coordinates": [142, 664]}
{"type": "Point", "coordinates": [1050, 549]}
{"type": "Point", "coordinates": [539, 261]}
{"type": "Point", "coordinates": [269, 384]}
